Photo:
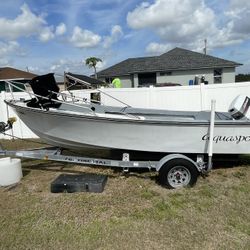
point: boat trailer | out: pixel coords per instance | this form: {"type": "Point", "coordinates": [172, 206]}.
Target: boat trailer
{"type": "Point", "coordinates": [175, 170]}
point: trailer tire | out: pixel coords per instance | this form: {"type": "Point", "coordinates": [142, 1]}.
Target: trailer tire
{"type": "Point", "coordinates": [178, 173]}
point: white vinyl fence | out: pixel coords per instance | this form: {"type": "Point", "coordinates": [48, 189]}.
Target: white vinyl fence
{"type": "Point", "coordinates": [194, 98]}
{"type": "Point", "coordinates": [19, 128]}
{"type": "Point", "coordinates": [173, 98]}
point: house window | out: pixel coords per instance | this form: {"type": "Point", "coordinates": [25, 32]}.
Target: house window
{"type": "Point", "coordinates": [217, 75]}
{"type": "Point", "coordinates": [146, 79]}
{"type": "Point", "coordinates": [109, 80]}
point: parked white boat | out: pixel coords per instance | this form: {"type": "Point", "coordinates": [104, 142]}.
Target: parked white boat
{"type": "Point", "coordinates": [76, 126]}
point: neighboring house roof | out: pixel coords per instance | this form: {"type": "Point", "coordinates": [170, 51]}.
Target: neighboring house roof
{"type": "Point", "coordinates": [175, 59]}
{"type": "Point", "coordinates": [7, 73]}
{"type": "Point", "coordinates": [84, 79]}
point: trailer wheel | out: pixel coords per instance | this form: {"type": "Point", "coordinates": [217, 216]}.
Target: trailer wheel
{"type": "Point", "coordinates": [178, 173]}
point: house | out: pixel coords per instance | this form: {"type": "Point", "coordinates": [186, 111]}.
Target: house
{"type": "Point", "coordinates": [177, 66]}
{"type": "Point", "coordinates": [8, 73]}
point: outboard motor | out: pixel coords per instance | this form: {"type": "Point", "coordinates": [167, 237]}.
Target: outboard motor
{"type": "Point", "coordinates": [239, 108]}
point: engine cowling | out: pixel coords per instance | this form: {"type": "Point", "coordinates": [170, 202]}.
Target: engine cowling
{"type": "Point", "coordinates": [239, 108]}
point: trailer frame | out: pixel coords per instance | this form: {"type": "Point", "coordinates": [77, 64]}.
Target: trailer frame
{"type": "Point", "coordinates": [169, 167]}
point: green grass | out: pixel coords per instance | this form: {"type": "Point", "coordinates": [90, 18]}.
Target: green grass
{"type": "Point", "coordinates": [132, 213]}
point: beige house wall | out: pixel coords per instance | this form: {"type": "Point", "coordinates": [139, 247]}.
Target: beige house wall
{"type": "Point", "coordinates": [181, 77]}
{"type": "Point", "coordinates": [126, 81]}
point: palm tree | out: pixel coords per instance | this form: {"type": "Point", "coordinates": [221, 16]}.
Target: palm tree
{"type": "Point", "coordinates": [91, 62]}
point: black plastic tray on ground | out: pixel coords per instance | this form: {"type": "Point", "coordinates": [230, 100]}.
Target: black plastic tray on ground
{"type": "Point", "coordinates": [79, 183]}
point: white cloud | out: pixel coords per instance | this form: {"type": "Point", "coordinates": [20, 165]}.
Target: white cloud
{"type": "Point", "coordinates": [101, 65]}
{"type": "Point", "coordinates": [46, 34]}
{"type": "Point", "coordinates": [166, 12]}
{"type": "Point", "coordinates": [84, 38]}
{"type": "Point", "coordinates": [35, 69]}
{"type": "Point", "coordinates": [188, 22]}
{"type": "Point", "coordinates": [75, 66]}
{"type": "Point", "coordinates": [26, 24]}
{"type": "Point", "coordinates": [61, 29]}
{"type": "Point", "coordinates": [115, 34]}
{"type": "Point", "coordinates": [9, 48]}
{"type": "Point", "coordinates": [239, 12]}
{"type": "Point", "coordinates": [158, 48]}
{"type": "Point", "coordinates": [172, 23]}
{"type": "Point", "coordinates": [4, 62]}
{"type": "Point", "coordinates": [58, 65]}
{"type": "Point", "coordinates": [67, 65]}
{"type": "Point", "coordinates": [239, 4]}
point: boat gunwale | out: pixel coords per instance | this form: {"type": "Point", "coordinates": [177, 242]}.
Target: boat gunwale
{"type": "Point", "coordinates": [130, 120]}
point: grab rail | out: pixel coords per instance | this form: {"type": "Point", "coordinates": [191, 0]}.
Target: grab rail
{"type": "Point", "coordinates": [43, 97]}
{"type": "Point", "coordinates": [10, 83]}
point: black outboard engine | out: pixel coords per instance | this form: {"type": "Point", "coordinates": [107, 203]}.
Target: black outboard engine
{"type": "Point", "coordinates": [239, 108]}
{"type": "Point", "coordinates": [46, 89]}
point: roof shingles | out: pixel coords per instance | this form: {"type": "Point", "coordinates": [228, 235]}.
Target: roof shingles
{"type": "Point", "coordinates": [11, 73]}
{"type": "Point", "coordinates": [175, 59]}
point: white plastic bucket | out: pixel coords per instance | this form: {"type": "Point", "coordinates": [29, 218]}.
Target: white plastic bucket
{"type": "Point", "coordinates": [10, 171]}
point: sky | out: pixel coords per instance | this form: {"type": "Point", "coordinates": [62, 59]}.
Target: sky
{"type": "Point", "coordinates": [58, 35]}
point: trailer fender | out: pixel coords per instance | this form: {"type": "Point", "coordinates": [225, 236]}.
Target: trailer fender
{"type": "Point", "coordinates": [170, 157]}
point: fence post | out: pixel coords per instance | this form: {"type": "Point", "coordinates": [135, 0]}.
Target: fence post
{"type": "Point", "coordinates": [151, 92]}
{"type": "Point", "coordinates": [202, 96]}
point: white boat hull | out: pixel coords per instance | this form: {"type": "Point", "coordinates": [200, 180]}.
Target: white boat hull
{"type": "Point", "coordinates": [81, 131]}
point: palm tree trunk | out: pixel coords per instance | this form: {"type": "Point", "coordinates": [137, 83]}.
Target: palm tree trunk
{"type": "Point", "coordinates": [95, 73]}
